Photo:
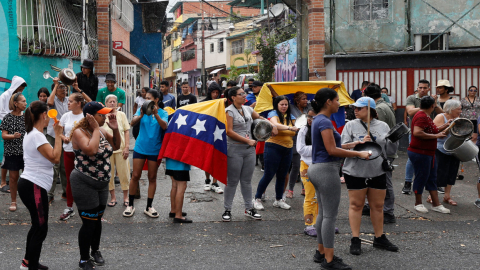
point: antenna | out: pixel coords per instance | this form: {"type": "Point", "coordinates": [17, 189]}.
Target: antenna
{"type": "Point", "coordinates": [277, 9]}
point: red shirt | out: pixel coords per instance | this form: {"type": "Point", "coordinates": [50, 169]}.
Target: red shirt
{"type": "Point", "coordinates": [422, 146]}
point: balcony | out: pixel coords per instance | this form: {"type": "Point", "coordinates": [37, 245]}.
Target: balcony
{"type": "Point", "coordinates": [123, 13]}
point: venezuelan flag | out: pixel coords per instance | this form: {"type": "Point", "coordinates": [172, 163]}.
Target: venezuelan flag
{"type": "Point", "coordinates": [288, 89]}
{"type": "Point", "coordinates": [196, 135]}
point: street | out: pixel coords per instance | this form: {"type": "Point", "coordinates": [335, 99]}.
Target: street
{"type": "Point", "coordinates": [429, 241]}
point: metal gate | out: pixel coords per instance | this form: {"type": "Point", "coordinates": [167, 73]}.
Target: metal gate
{"type": "Point", "coordinates": [127, 80]}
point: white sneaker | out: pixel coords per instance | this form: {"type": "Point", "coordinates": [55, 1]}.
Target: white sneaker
{"type": "Point", "coordinates": [217, 189]}
{"type": "Point", "coordinates": [421, 208]}
{"type": "Point", "coordinates": [129, 211]}
{"type": "Point", "coordinates": [207, 187]}
{"type": "Point", "coordinates": [257, 204]}
{"type": "Point", "coordinates": [281, 204]}
{"type": "Point", "coordinates": [441, 209]}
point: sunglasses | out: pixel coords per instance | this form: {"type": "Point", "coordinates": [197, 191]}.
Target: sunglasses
{"type": "Point", "coordinates": [472, 90]}
{"type": "Point", "coordinates": [242, 94]}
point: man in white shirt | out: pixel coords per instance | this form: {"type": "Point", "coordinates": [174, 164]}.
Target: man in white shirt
{"type": "Point", "coordinates": [199, 85]}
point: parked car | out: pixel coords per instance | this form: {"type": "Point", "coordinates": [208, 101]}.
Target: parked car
{"type": "Point", "coordinates": [242, 80]}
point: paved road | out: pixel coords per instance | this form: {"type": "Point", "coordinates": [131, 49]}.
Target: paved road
{"type": "Point", "coordinates": [427, 241]}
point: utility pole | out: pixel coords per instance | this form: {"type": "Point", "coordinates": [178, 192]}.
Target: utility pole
{"type": "Point", "coordinates": [298, 8]}
{"type": "Point", "coordinates": [84, 52]}
{"type": "Point", "coordinates": [203, 76]}
{"type": "Point", "coordinates": [110, 42]}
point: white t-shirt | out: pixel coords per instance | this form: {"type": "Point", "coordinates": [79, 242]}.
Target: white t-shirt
{"type": "Point", "coordinates": [224, 84]}
{"type": "Point", "coordinates": [392, 99]}
{"type": "Point", "coordinates": [68, 121]}
{"type": "Point", "coordinates": [139, 100]}
{"type": "Point", "coordinates": [38, 169]}
{"type": "Point", "coordinates": [199, 84]}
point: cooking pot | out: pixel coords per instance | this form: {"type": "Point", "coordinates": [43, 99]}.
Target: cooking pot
{"type": "Point", "coordinates": [67, 76]}
{"type": "Point", "coordinates": [462, 128]}
{"type": "Point", "coordinates": [464, 150]}
{"type": "Point", "coordinates": [301, 121]}
{"type": "Point", "coordinates": [397, 132]}
{"type": "Point", "coordinates": [148, 106]}
{"type": "Point", "coordinates": [374, 148]}
{"type": "Point", "coordinates": [263, 130]}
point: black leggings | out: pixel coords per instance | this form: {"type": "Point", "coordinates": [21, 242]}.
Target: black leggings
{"type": "Point", "coordinates": [91, 231]}
{"type": "Point", "coordinates": [35, 199]}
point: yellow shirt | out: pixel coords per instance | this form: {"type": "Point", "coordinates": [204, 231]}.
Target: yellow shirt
{"type": "Point", "coordinates": [284, 137]}
{"type": "Point", "coordinates": [123, 125]}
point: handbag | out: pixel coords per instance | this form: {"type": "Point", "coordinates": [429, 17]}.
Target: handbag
{"type": "Point", "coordinates": [386, 164]}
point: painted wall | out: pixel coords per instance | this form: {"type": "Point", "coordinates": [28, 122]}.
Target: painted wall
{"type": "Point", "coordinates": [146, 46]}
{"type": "Point", "coordinates": [286, 67]}
{"type": "Point", "coordinates": [168, 72]}
{"type": "Point", "coordinates": [390, 33]}
{"type": "Point", "coordinates": [192, 63]}
{"type": "Point", "coordinates": [178, 41]}
{"type": "Point", "coordinates": [120, 34]}
{"type": "Point", "coordinates": [252, 58]}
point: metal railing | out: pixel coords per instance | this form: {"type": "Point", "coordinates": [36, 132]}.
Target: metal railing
{"type": "Point", "coordinates": [127, 80]}
{"type": "Point", "coordinates": [123, 13]}
{"type": "Point", "coordinates": [54, 28]}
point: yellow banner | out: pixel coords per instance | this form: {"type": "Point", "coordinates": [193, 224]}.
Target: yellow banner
{"type": "Point", "coordinates": [264, 98]}
{"type": "Point", "coordinates": [214, 108]}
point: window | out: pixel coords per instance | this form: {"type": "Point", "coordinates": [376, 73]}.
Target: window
{"type": "Point", "coordinates": [212, 47]}
{"type": "Point", "coordinates": [368, 10]}
{"type": "Point", "coordinates": [165, 63]}
{"type": "Point", "coordinates": [176, 55]}
{"type": "Point", "coordinates": [440, 42]}
{"type": "Point", "coordinates": [250, 45]}
{"type": "Point", "coordinates": [188, 55]}
{"type": "Point", "coordinates": [237, 47]}
{"type": "Point", "coordinates": [220, 45]}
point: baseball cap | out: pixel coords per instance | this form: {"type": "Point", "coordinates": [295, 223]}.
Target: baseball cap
{"type": "Point", "coordinates": [94, 107]}
{"type": "Point", "coordinates": [363, 102]}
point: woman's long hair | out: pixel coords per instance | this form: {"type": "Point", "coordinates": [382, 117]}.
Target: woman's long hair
{"type": "Point", "coordinates": [321, 97]}
{"type": "Point", "coordinates": [33, 113]}
{"type": "Point", "coordinates": [156, 94]}
{"type": "Point", "coordinates": [287, 113]}
{"type": "Point", "coordinates": [229, 94]}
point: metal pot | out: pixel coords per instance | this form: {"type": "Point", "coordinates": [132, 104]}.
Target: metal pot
{"type": "Point", "coordinates": [464, 150]}
{"type": "Point", "coordinates": [373, 147]}
{"type": "Point", "coordinates": [462, 128]}
{"type": "Point", "coordinates": [67, 76]}
{"type": "Point", "coordinates": [263, 130]}
{"type": "Point", "coordinates": [397, 132]}
{"type": "Point", "coordinates": [148, 106]}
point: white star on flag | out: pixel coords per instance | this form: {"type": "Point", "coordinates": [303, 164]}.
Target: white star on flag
{"type": "Point", "coordinates": [218, 134]}
{"type": "Point", "coordinates": [181, 120]}
{"type": "Point", "coordinates": [199, 126]}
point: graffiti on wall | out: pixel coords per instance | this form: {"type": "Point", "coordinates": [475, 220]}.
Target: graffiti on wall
{"type": "Point", "coordinates": [286, 67]}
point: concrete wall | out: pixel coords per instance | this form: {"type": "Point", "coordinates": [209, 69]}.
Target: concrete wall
{"type": "Point", "coordinates": [120, 34]}
{"type": "Point", "coordinates": [390, 33]}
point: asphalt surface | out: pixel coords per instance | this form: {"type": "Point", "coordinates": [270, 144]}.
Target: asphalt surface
{"type": "Point", "coordinates": [426, 241]}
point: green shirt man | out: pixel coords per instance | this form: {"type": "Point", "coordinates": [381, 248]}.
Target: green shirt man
{"type": "Point", "coordinates": [111, 89]}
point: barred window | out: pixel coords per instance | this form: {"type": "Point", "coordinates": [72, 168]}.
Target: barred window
{"type": "Point", "coordinates": [220, 45]}
{"type": "Point", "coordinates": [188, 55]}
{"type": "Point", "coordinates": [368, 10]}
{"type": "Point", "coordinates": [237, 47]}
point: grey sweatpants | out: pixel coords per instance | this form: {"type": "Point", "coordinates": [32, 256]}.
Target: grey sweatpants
{"type": "Point", "coordinates": [326, 180]}
{"type": "Point", "coordinates": [241, 164]}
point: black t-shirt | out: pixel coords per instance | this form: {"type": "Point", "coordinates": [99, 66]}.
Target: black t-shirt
{"type": "Point", "coordinates": [89, 85]}
{"type": "Point", "coordinates": [183, 100]}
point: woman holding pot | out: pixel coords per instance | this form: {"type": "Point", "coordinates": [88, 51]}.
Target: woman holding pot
{"type": "Point", "coordinates": [366, 177]}
{"type": "Point", "coordinates": [422, 154]}
{"type": "Point", "coordinates": [327, 154]}
{"type": "Point", "coordinates": [447, 164]}
{"type": "Point", "coordinates": [471, 109]}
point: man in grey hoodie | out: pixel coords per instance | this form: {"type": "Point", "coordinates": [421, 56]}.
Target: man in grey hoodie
{"type": "Point", "coordinates": [17, 86]}
{"type": "Point", "coordinates": [385, 113]}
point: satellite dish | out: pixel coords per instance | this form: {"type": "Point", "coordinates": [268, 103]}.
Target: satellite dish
{"type": "Point", "coordinates": [277, 9]}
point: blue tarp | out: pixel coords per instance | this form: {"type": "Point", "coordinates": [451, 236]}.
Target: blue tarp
{"type": "Point", "coordinates": [190, 28]}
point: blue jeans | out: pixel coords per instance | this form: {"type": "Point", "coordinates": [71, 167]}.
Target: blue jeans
{"type": "Point", "coordinates": [409, 172]}
{"type": "Point", "coordinates": [277, 161]}
{"type": "Point", "coordinates": [425, 172]}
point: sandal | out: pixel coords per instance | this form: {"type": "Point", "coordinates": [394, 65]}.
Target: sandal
{"type": "Point", "coordinates": [13, 207]}
{"type": "Point", "coordinates": [429, 199]}
{"type": "Point", "coordinates": [450, 201]}
{"type": "Point", "coordinates": [112, 203]}
{"type": "Point", "coordinates": [290, 194]}
{"type": "Point", "coordinates": [5, 189]}
{"type": "Point", "coordinates": [125, 203]}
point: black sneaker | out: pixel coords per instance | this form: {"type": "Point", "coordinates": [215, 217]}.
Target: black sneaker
{"type": "Point", "coordinates": [356, 246]}
{"type": "Point", "coordinates": [24, 265]}
{"type": "Point", "coordinates": [383, 243]}
{"type": "Point", "coordinates": [253, 214]}
{"type": "Point", "coordinates": [407, 188]}
{"type": "Point", "coordinates": [88, 265]}
{"type": "Point", "coordinates": [97, 258]}
{"type": "Point", "coordinates": [388, 218]}
{"type": "Point", "coordinates": [441, 190]}
{"type": "Point", "coordinates": [335, 264]}
{"type": "Point", "coordinates": [318, 258]}
{"type": "Point", "coordinates": [227, 216]}
{"type": "Point", "coordinates": [366, 210]}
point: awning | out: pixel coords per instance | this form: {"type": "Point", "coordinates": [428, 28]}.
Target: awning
{"type": "Point", "coordinates": [177, 70]}
{"type": "Point", "coordinates": [216, 71]}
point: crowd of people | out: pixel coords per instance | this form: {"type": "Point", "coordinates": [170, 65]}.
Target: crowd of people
{"type": "Point", "coordinates": [87, 147]}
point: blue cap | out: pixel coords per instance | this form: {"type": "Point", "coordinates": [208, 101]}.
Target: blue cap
{"type": "Point", "coordinates": [363, 102]}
